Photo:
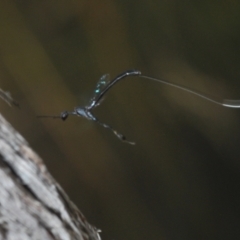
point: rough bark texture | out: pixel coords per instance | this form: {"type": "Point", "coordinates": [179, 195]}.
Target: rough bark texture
{"type": "Point", "coordinates": [32, 204]}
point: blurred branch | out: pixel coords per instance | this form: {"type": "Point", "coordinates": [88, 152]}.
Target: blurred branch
{"type": "Point", "coordinates": [6, 96]}
{"type": "Point", "coordinates": [32, 204]}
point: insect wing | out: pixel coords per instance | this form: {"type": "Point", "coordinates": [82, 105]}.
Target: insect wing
{"type": "Point", "coordinates": [101, 84]}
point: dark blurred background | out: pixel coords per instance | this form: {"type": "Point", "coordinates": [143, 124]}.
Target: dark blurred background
{"type": "Point", "coordinates": [181, 180]}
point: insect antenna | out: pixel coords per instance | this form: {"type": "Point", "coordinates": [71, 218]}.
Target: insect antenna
{"type": "Point", "coordinates": [64, 115]}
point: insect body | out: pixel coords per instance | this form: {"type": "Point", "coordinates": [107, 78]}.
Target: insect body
{"type": "Point", "coordinates": [104, 85]}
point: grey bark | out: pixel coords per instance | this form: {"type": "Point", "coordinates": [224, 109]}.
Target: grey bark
{"type": "Point", "coordinates": [32, 204]}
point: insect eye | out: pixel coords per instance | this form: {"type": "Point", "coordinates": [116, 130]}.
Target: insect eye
{"type": "Point", "coordinates": [64, 115]}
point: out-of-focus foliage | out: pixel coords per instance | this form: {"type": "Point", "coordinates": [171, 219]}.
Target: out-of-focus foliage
{"type": "Point", "coordinates": [181, 180]}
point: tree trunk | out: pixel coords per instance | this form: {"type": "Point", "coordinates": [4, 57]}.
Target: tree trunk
{"type": "Point", "coordinates": [32, 204]}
